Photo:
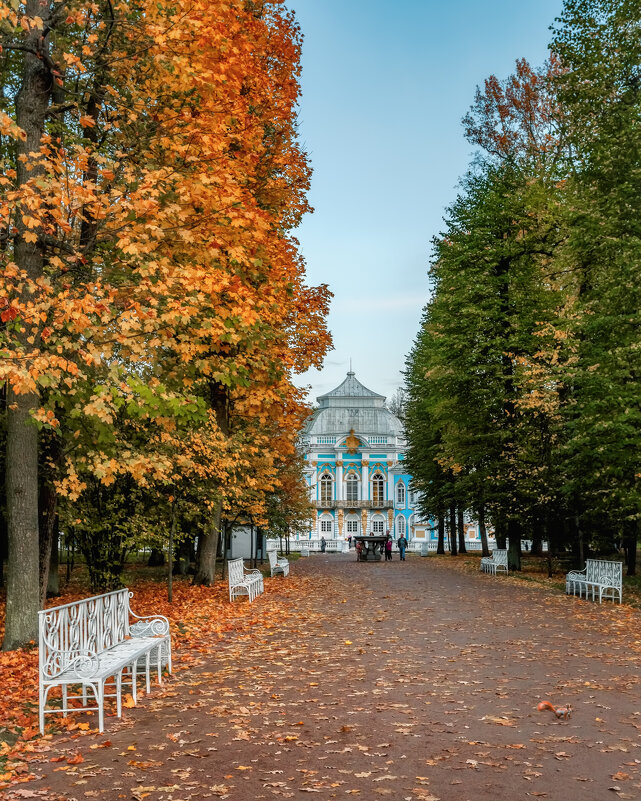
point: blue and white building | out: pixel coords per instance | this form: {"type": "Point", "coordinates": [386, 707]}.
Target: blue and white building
{"type": "Point", "coordinates": [354, 453]}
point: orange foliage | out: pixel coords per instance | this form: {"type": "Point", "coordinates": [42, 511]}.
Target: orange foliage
{"type": "Point", "coordinates": [518, 117]}
{"type": "Point", "coordinates": [198, 617]}
{"type": "Point", "coordinates": [164, 221]}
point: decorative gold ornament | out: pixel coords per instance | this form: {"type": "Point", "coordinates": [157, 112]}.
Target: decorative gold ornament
{"type": "Point", "coordinates": [352, 443]}
{"type": "Point", "coordinates": [339, 463]}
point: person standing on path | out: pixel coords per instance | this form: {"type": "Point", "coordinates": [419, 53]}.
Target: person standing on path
{"type": "Point", "coordinates": [388, 548]}
{"type": "Point", "coordinates": [323, 544]}
{"type": "Point", "coordinates": [402, 545]}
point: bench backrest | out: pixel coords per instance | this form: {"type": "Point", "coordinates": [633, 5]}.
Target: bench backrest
{"type": "Point", "coordinates": [236, 571]}
{"type": "Point", "coordinates": [500, 556]}
{"type": "Point", "coordinates": [273, 558]}
{"type": "Point", "coordinates": [89, 626]}
{"type": "Point", "coordinates": [602, 571]}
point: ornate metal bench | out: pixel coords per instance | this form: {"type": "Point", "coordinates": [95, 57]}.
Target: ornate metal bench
{"type": "Point", "coordinates": [498, 561]}
{"type": "Point", "coordinates": [88, 642]}
{"type": "Point", "coordinates": [277, 565]}
{"type": "Point", "coordinates": [243, 581]}
{"type": "Point", "coordinates": [598, 575]}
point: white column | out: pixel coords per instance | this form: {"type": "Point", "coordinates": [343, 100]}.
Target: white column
{"type": "Point", "coordinates": [339, 481]}
{"type": "Point", "coordinates": [390, 486]}
{"type": "Point", "coordinates": [365, 481]}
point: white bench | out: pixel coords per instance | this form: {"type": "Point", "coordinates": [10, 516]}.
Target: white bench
{"type": "Point", "coordinates": [243, 581]}
{"type": "Point", "coordinates": [598, 575]}
{"type": "Point", "coordinates": [88, 642]}
{"type": "Point", "coordinates": [498, 561]}
{"type": "Point", "coordinates": [277, 565]}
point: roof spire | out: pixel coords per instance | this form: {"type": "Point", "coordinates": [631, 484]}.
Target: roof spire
{"type": "Point", "coordinates": [351, 372]}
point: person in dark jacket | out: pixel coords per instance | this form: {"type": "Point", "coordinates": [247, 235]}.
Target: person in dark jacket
{"type": "Point", "coordinates": [402, 545]}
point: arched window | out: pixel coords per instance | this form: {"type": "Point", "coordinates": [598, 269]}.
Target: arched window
{"type": "Point", "coordinates": [351, 487]}
{"type": "Point", "coordinates": [378, 489]}
{"type": "Point", "coordinates": [326, 489]}
{"type": "Point", "coordinates": [400, 494]}
{"type": "Point", "coordinates": [353, 526]}
{"type": "Point", "coordinates": [400, 526]}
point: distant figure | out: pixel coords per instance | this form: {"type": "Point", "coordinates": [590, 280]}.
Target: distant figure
{"type": "Point", "coordinates": [388, 549]}
{"type": "Point", "coordinates": [323, 544]}
{"type": "Point", "coordinates": [349, 542]}
{"type": "Point", "coordinates": [402, 545]}
{"type": "Point", "coordinates": [359, 550]}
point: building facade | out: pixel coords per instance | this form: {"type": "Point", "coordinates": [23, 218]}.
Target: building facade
{"type": "Point", "coordinates": [354, 453]}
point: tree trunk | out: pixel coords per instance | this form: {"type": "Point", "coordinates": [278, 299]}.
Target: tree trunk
{"type": "Point", "coordinates": [537, 536]}
{"type": "Point", "coordinates": [461, 531]}
{"type": "Point", "coordinates": [23, 597]}
{"type": "Point", "coordinates": [440, 548]}
{"type": "Point", "coordinates": [485, 550]}
{"type": "Point", "coordinates": [500, 534]}
{"type": "Point", "coordinates": [452, 532]}
{"type": "Point", "coordinates": [207, 547]}
{"type": "Point", "coordinates": [156, 557]}
{"type": "Point", "coordinates": [208, 540]}
{"type": "Point", "coordinates": [170, 555]}
{"type": "Point", "coordinates": [630, 535]}
{"type": "Point", "coordinates": [23, 571]}
{"type": "Point", "coordinates": [514, 545]}
{"type": "Point", "coordinates": [53, 581]}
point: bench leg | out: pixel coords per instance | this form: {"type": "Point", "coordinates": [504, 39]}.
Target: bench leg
{"type": "Point", "coordinates": [147, 670]}
{"type": "Point", "coordinates": [134, 681]}
{"type": "Point", "coordinates": [159, 661]}
{"type": "Point", "coordinates": [42, 700]}
{"type": "Point", "coordinates": [119, 694]}
{"type": "Point", "coordinates": [100, 697]}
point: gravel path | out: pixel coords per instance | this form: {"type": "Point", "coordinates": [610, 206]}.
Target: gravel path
{"type": "Point", "coordinates": [407, 680]}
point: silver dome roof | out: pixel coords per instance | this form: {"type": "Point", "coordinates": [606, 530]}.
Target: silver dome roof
{"type": "Point", "coordinates": [353, 406]}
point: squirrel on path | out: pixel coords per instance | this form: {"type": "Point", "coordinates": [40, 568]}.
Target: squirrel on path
{"type": "Point", "coordinates": [564, 712]}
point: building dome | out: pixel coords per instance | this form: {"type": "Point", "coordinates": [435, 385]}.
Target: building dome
{"type": "Point", "coordinates": [352, 406]}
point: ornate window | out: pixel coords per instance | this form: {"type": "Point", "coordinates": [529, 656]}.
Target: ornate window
{"type": "Point", "coordinates": [400, 526]}
{"type": "Point", "coordinates": [327, 525]}
{"type": "Point", "coordinates": [352, 526]}
{"type": "Point", "coordinates": [351, 487]}
{"type": "Point", "coordinates": [400, 494]}
{"type": "Point", "coordinates": [378, 489]}
{"type": "Point", "coordinates": [378, 526]}
{"type": "Point", "coordinates": [326, 490]}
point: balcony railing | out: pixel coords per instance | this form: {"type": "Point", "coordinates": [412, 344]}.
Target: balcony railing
{"type": "Point", "coordinates": [355, 505]}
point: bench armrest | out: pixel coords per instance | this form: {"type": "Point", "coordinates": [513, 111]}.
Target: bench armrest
{"type": "Point", "coordinates": [573, 575]}
{"type": "Point", "coordinates": [149, 626]}
{"type": "Point", "coordinates": [84, 664]}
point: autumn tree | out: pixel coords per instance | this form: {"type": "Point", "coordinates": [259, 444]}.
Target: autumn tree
{"type": "Point", "coordinates": [151, 177]}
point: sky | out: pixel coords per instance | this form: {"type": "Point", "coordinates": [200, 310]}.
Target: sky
{"type": "Point", "coordinates": [385, 84]}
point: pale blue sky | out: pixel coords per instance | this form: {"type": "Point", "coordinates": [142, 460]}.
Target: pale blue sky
{"type": "Point", "coordinates": [385, 84]}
